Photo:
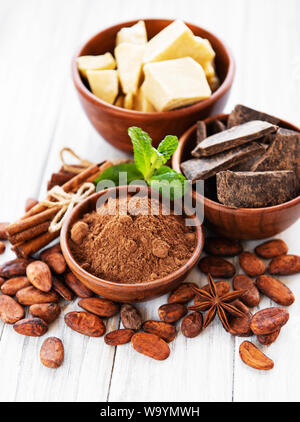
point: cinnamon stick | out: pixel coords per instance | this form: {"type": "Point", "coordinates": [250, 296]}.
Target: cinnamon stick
{"type": "Point", "coordinates": [72, 185]}
{"type": "Point", "coordinates": [32, 221]}
{"type": "Point", "coordinates": [30, 233]}
{"type": "Point", "coordinates": [32, 246]}
{"type": "Point", "coordinates": [40, 214]}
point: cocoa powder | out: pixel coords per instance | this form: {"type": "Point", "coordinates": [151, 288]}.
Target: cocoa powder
{"type": "Point", "coordinates": [132, 247]}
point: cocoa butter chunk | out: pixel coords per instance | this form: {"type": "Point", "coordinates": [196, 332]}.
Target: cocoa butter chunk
{"type": "Point", "coordinates": [255, 189]}
{"type": "Point", "coordinates": [282, 154]}
{"type": "Point", "coordinates": [242, 114]}
{"type": "Point", "coordinates": [205, 167]}
{"type": "Point", "coordinates": [201, 131]}
{"type": "Point", "coordinates": [233, 137]}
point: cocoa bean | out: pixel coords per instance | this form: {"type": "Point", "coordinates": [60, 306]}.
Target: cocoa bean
{"type": "Point", "coordinates": [275, 290]}
{"type": "Point", "coordinates": [61, 289]}
{"type": "Point", "coordinates": [48, 251]}
{"type": "Point", "coordinates": [52, 353]}
{"type": "Point", "coordinates": [56, 262]}
{"type": "Point", "coordinates": [240, 326]}
{"type": "Point", "coordinates": [85, 323]}
{"type": "Point", "coordinates": [99, 306]}
{"type": "Point", "coordinates": [2, 247]}
{"type": "Point", "coordinates": [220, 246]}
{"type": "Point", "coordinates": [13, 285]}
{"type": "Point", "coordinates": [271, 249]}
{"type": "Point", "coordinates": [78, 288]}
{"type": "Point", "coordinates": [150, 345]}
{"type": "Point", "coordinates": [33, 327]}
{"type": "Point", "coordinates": [39, 275]}
{"type": "Point", "coordinates": [251, 264]}
{"type": "Point", "coordinates": [253, 357]}
{"type": "Point", "coordinates": [171, 312]}
{"type": "Point", "coordinates": [118, 337]}
{"type": "Point", "coordinates": [216, 267]}
{"type": "Point", "coordinates": [10, 310]}
{"type": "Point", "coordinates": [269, 320]}
{"type": "Point", "coordinates": [285, 265]}
{"type": "Point", "coordinates": [191, 325]}
{"type": "Point", "coordinates": [162, 329]}
{"type": "Point", "coordinates": [267, 339]}
{"type": "Point", "coordinates": [48, 312]}
{"type": "Point", "coordinates": [251, 296]}
{"type": "Point", "coordinates": [183, 294]}
{"type": "Point", "coordinates": [14, 268]}
{"type": "Point", "coordinates": [130, 317]}
{"type": "Point", "coordinates": [30, 296]}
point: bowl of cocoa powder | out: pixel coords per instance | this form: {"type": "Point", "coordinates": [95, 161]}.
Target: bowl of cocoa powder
{"type": "Point", "coordinates": [130, 247]}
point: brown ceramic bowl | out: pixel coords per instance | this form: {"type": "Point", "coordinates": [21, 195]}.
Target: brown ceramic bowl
{"type": "Point", "coordinates": [113, 122]}
{"type": "Point", "coordinates": [241, 223]}
{"type": "Point", "coordinates": [122, 292]}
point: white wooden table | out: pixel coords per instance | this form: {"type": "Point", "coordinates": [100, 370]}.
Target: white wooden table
{"type": "Point", "coordinates": [40, 113]}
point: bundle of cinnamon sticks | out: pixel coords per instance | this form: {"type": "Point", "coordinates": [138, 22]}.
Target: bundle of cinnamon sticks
{"type": "Point", "coordinates": [30, 233]}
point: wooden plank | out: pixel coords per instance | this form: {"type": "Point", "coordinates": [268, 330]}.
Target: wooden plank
{"type": "Point", "coordinates": [187, 375]}
{"type": "Point", "coordinates": [86, 373]}
{"type": "Point", "coordinates": [282, 382]}
{"type": "Point", "coordinates": [42, 114]}
{"type": "Point", "coordinates": [28, 379]}
{"type": "Point", "coordinates": [270, 84]}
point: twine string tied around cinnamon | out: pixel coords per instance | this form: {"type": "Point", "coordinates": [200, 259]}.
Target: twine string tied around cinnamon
{"type": "Point", "coordinates": [66, 201]}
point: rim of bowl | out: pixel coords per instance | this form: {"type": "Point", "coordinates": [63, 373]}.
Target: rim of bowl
{"type": "Point", "coordinates": [164, 280]}
{"type": "Point", "coordinates": [176, 161]}
{"type": "Point", "coordinates": [224, 87]}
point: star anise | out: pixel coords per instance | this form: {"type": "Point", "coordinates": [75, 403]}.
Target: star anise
{"type": "Point", "coordinates": [214, 304]}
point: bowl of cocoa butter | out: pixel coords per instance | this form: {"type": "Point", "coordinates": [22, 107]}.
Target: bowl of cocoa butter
{"type": "Point", "coordinates": [128, 247]}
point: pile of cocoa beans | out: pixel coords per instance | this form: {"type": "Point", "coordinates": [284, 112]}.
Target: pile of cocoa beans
{"type": "Point", "coordinates": [41, 283]}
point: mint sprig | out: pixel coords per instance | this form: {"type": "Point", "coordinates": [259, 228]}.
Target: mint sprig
{"type": "Point", "coordinates": [149, 165]}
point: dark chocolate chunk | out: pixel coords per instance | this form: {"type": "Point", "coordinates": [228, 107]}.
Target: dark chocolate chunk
{"type": "Point", "coordinates": [201, 131]}
{"type": "Point", "coordinates": [255, 189]}
{"type": "Point", "coordinates": [282, 154]}
{"type": "Point", "coordinates": [234, 137]}
{"type": "Point", "coordinates": [247, 164]}
{"type": "Point", "coordinates": [217, 126]}
{"type": "Point", "coordinates": [203, 168]}
{"type": "Point", "coordinates": [242, 114]}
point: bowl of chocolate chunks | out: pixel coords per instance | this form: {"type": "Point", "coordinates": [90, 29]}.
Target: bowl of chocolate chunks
{"type": "Point", "coordinates": [249, 162]}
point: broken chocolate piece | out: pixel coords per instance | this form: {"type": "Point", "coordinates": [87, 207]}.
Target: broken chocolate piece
{"type": "Point", "coordinates": [233, 137]}
{"type": "Point", "coordinates": [203, 168]}
{"type": "Point", "coordinates": [246, 165]}
{"type": "Point", "coordinates": [217, 126]}
{"type": "Point", "coordinates": [282, 154]}
{"type": "Point", "coordinates": [201, 131]}
{"type": "Point", "coordinates": [242, 114]}
{"type": "Point", "coordinates": [255, 189]}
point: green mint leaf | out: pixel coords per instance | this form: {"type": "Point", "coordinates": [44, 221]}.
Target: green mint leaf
{"type": "Point", "coordinates": [143, 151]}
{"type": "Point", "coordinates": [163, 177]}
{"type": "Point", "coordinates": [168, 146]}
{"type": "Point", "coordinates": [164, 151]}
{"type": "Point", "coordinates": [112, 173]}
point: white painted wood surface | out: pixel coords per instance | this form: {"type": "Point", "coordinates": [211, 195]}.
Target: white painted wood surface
{"type": "Point", "coordinates": [40, 113]}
